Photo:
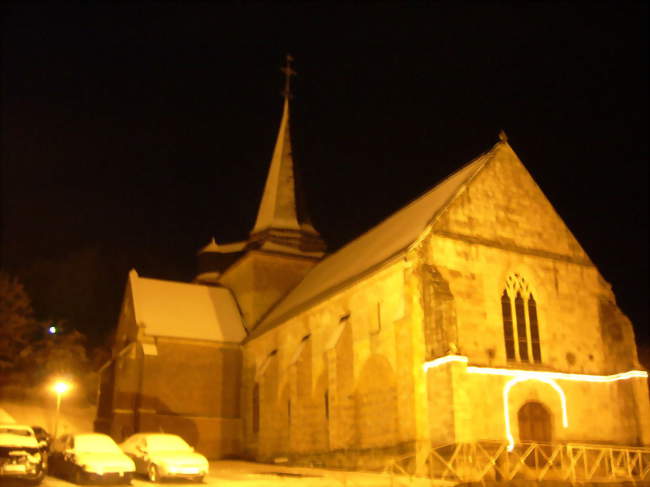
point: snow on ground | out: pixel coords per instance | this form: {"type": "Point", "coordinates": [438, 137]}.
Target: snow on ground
{"type": "Point", "coordinates": [249, 474]}
{"type": "Point", "coordinates": [232, 473]}
{"type": "Point", "coordinates": [78, 418]}
{"type": "Point", "coordinates": [74, 418]}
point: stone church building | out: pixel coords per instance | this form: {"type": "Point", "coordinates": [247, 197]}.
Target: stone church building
{"type": "Point", "coordinates": [472, 314]}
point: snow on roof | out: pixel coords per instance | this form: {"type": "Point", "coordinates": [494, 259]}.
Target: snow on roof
{"type": "Point", "coordinates": [228, 248]}
{"type": "Point", "coordinates": [374, 247]}
{"type": "Point", "coordinates": [181, 310]}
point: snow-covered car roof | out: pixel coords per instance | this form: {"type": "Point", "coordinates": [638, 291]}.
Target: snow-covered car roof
{"type": "Point", "coordinates": [17, 435]}
{"type": "Point", "coordinates": [165, 442]}
{"type": "Point", "coordinates": [95, 442]}
{"type": "Point", "coordinates": [160, 441]}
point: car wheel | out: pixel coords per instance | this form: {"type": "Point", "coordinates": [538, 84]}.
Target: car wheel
{"type": "Point", "coordinates": [127, 478]}
{"type": "Point", "coordinates": [79, 477]}
{"type": "Point", "coordinates": [153, 473]}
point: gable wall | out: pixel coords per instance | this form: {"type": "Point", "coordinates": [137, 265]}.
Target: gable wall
{"type": "Point", "coordinates": [502, 224]}
{"type": "Point", "coordinates": [503, 205]}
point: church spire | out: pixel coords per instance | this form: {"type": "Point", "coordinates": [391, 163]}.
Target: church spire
{"type": "Point", "coordinates": [281, 217]}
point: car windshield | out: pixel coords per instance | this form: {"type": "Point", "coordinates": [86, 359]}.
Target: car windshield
{"type": "Point", "coordinates": [95, 444]}
{"type": "Point", "coordinates": [15, 431]}
{"type": "Point", "coordinates": [167, 443]}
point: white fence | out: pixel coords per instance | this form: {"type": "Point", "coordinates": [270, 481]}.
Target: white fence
{"type": "Point", "coordinates": [489, 461]}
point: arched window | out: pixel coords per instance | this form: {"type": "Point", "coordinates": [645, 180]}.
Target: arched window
{"type": "Point", "coordinates": [256, 408]}
{"type": "Point", "coordinates": [326, 400]}
{"type": "Point", "coordinates": [520, 326]}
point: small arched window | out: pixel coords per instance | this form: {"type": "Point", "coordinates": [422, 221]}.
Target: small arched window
{"type": "Point", "coordinates": [520, 326]}
{"type": "Point", "coordinates": [256, 408]}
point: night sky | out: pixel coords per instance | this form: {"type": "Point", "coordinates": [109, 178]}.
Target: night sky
{"type": "Point", "coordinates": [146, 129]}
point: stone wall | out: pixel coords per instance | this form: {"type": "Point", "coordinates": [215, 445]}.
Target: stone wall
{"type": "Point", "coordinates": [345, 369]}
{"type": "Point", "coordinates": [179, 386]}
{"type": "Point", "coordinates": [259, 279]}
{"type": "Point", "coordinates": [600, 413]}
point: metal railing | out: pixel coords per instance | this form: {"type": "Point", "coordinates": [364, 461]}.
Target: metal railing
{"type": "Point", "coordinates": [485, 461]}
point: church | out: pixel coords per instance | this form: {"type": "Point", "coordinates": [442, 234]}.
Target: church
{"type": "Point", "coordinates": [470, 316]}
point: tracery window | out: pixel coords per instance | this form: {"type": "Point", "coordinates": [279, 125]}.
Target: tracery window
{"type": "Point", "coordinates": [520, 326]}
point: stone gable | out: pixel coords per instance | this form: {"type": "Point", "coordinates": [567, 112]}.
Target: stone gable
{"type": "Point", "coordinates": [502, 206]}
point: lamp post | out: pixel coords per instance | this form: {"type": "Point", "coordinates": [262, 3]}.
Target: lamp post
{"type": "Point", "coordinates": [60, 387]}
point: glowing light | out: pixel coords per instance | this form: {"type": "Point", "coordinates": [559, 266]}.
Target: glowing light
{"type": "Point", "coordinates": [61, 387]}
{"type": "Point", "coordinates": [536, 374]}
{"type": "Point", "coordinates": [443, 360]}
{"type": "Point", "coordinates": [506, 408]}
{"type": "Point", "coordinates": [519, 375]}
{"type": "Point", "coordinates": [52, 330]}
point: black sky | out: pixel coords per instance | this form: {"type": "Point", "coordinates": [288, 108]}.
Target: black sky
{"type": "Point", "coordinates": [147, 129]}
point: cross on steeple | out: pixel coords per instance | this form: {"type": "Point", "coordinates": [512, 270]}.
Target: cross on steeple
{"type": "Point", "coordinates": [288, 72]}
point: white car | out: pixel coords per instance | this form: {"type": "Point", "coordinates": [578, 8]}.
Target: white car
{"type": "Point", "coordinates": [90, 457]}
{"type": "Point", "coordinates": [20, 454]}
{"type": "Point", "coordinates": [161, 455]}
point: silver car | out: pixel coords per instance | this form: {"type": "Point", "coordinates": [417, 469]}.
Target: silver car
{"type": "Point", "coordinates": [161, 455]}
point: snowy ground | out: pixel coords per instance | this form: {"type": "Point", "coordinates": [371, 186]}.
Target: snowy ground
{"type": "Point", "coordinates": [78, 418]}
{"type": "Point", "coordinates": [229, 473]}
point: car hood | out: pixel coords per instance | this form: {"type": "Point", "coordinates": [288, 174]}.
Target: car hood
{"type": "Point", "coordinates": [178, 458]}
{"type": "Point", "coordinates": [7, 439]}
{"type": "Point", "coordinates": [117, 461]}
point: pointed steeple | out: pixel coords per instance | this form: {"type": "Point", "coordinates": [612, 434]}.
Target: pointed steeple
{"type": "Point", "coordinates": [278, 207]}
{"type": "Point", "coordinates": [281, 217]}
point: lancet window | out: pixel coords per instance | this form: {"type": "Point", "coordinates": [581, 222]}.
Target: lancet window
{"type": "Point", "coordinates": [256, 408]}
{"type": "Point", "coordinates": [520, 326]}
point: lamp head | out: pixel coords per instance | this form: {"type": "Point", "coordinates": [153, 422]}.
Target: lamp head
{"type": "Point", "coordinates": [61, 387]}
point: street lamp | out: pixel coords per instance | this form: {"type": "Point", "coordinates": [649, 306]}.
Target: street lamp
{"type": "Point", "coordinates": [60, 387]}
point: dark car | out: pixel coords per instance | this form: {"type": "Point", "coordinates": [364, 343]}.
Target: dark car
{"type": "Point", "coordinates": [20, 454]}
{"type": "Point", "coordinates": [89, 457]}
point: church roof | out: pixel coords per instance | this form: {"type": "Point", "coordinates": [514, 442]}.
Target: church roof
{"type": "Point", "coordinates": [180, 310]}
{"type": "Point", "coordinates": [376, 246]}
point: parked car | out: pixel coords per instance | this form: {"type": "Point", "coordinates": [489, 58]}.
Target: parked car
{"type": "Point", "coordinates": [43, 437]}
{"type": "Point", "coordinates": [20, 454]}
{"type": "Point", "coordinates": [162, 455]}
{"type": "Point", "coordinates": [90, 457]}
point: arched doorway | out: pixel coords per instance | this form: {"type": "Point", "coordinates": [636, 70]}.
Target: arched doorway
{"type": "Point", "coordinates": [535, 426]}
{"type": "Point", "coordinates": [534, 423]}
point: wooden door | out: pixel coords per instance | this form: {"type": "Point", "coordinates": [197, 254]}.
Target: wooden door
{"type": "Point", "coordinates": [534, 423]}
